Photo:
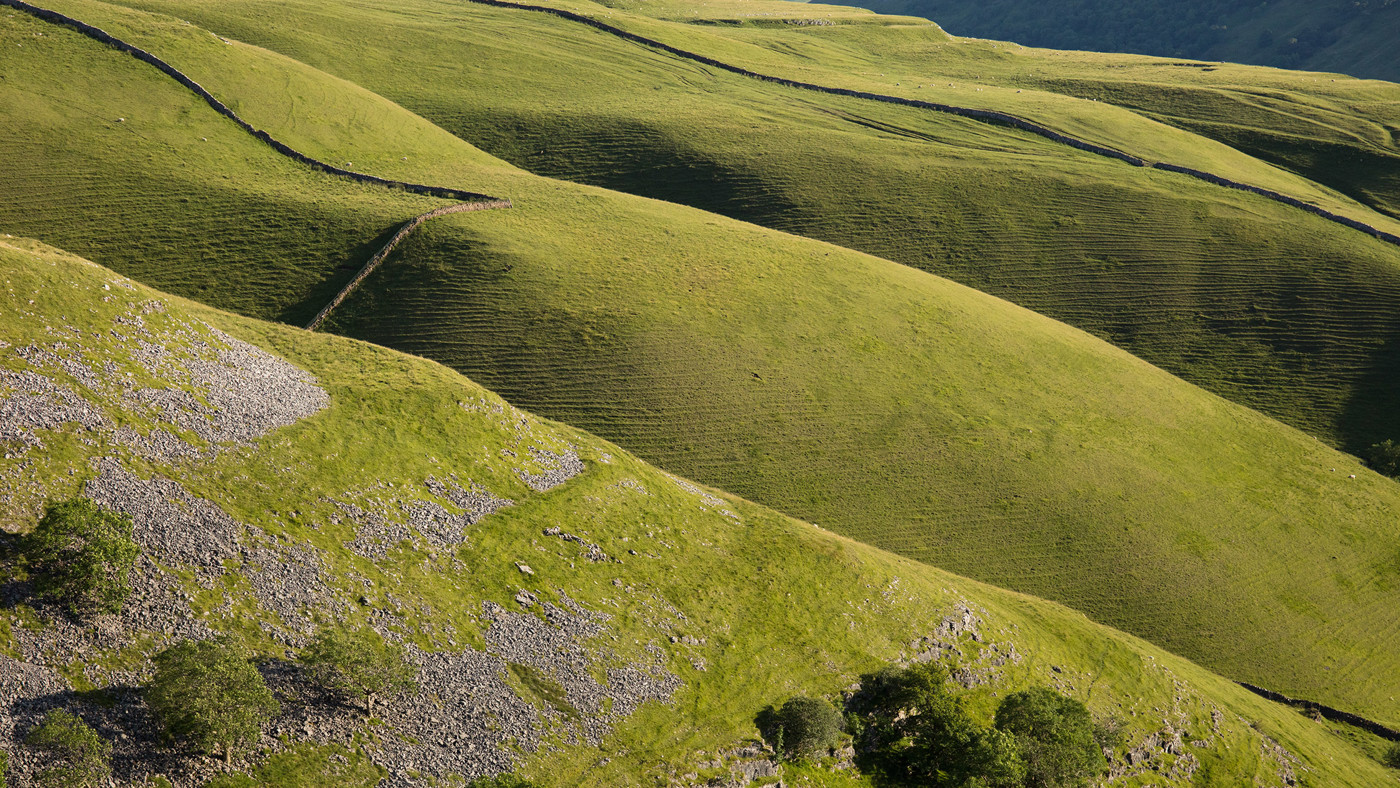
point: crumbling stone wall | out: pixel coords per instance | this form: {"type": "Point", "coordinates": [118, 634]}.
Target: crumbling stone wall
{"type": "Point", "coordinates": [282, 148]}
{"type": "Point", "coordinates": [389, 247]}
{"type": "Point", "coordinates": [985, 115]}
{"type": "Point", "coordinates": [1336, 715]}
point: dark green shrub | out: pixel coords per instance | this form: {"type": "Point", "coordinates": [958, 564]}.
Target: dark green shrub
{"type": "Point", "coordinates": [803, 727]}
{"type": "Point", "coordinates": [81, 755]}
{"type": "Point", "coordinates": [357, 664]}
{"type": "Point", "coordinates": [1055, 736]}
{"type": "Point", "coordinates": [82, 556]}
{"type": "Point", "coordinates": [209, 694]}
{"type": "Point", "coordinates": [4, 767]}
{"type": "Point", "coordinates": [1384, 458]}
{"type": "Point", "coordinates": [915, 732]}
{"type": "Point", "coordinates": [502, 781]}
{"type": "Point", "coordinates": [1392, 757]}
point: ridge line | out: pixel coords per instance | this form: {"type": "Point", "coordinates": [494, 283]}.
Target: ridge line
{"type": "Point", "coordinates": [104, 37]}
{"type": "Point", "coordinates": [984, 115]}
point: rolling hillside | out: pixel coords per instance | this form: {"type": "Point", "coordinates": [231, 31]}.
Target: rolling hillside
{"type": "Point", "coordinates": [1351, 37]}
{"type": "Point", "coordinates": [294, 478]}
{"type": "Point", "coordinates": [875, 399]}
{"type": "Point", "coordinates": [1280, 312]}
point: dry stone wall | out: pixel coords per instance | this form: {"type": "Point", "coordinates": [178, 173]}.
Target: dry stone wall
{"type": "Point", "coordinates": [1336, 715]}
{"type": "Point", "coordinates": [281, 147]}
{"type": "Point", "coordinates": [389, 247]}
{"type": "Point", "coordinates": [985, 115]}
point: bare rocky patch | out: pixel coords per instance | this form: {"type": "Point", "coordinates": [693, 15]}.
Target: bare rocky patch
{"type": "Point", "coordinates": [555, 469]}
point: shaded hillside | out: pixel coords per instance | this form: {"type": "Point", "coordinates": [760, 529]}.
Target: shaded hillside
{"type": "Point", "coordinates": [873, 398]}
{"type": "Point", "coordinates": [1351, 37]}
{"type": "Point", "coordinates": [293, 478]}
{"type": "Point", "coordinates": [1248, 299]}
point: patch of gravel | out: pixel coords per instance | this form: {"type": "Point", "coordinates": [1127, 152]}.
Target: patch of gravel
{"type": "Point", "coordinates": [158, 444]}
{"type": "Point", "coordinates": [31, 401]}
{"type": "Point", "coordinates": [375, 534]}
{"type": "Point", "coordinates": [463, 719]}
{"type": "Point", "coordinates": [556, 647]}
{"type": "Point", "coordinates": [1286, 763]}
{"type": "Point", "coordinates": [170, 525]}
{"type": "Point", "coordinates": [243, 391]}
{"type": "Point", "coordinates": [556, 469]}
{"type": "Point", "coordinates": [22, 686]}
{"type": "Point", "coordinates": [419, 521]}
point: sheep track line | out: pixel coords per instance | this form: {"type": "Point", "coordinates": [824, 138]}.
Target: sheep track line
{"type": "Point", "coordinates": [470, 201]}
{"type": "Point", "coordinates": [984, 115]}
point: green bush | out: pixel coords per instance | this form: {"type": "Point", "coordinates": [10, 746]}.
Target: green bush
{"type": "Point", "coordinates": [502, 781]}
{"type": "Point", "coordinates": [1055, 736]}
{"type": "Point", "coordinates": [1384, 458]}
{"type": "Point", "coordinates": [803, 727]}
{"type": "Point", "coordinates": [82, 556]}
{"type": "Point", "coordinates": [915, 732]}
{"type": "Point", "coordinates": [4, 767]}
{"type": "Point", "coordinates": [82, 756]}
{"type": "Point", "coordinates": [1392, 757]}
{"type": "Point", "coordinates": [209, 694]}
{"type": "Point", "coordinates": [358, 663]}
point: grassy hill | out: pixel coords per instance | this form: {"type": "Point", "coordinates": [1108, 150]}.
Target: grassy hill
{"type": "Point", "coordinates": [1350, 37]}
{"type": "Point", "coordinates": [1281, 312]}
{"type": "Point", "coordinates": [331, 479]}
{"type": "Point", "coordinates": [867, 396]}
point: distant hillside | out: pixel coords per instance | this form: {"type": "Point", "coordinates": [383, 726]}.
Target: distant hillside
{"type": "Point", "coordinates": [1356, 37]}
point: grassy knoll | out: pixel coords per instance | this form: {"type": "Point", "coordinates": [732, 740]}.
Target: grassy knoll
{"type": "Point", "coordinates": [767, 606]}
{"type": "Point", "coordinates": [1250, 299]}
{"type": "Point", "coordinates": [872, 398]}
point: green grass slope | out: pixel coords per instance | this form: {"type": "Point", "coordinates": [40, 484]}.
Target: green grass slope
{"type": "Point", "coordinates": [100, 140]}
{"type": "Point", "coordinates": [743, 606]}
{"type": "Point", "coordinates": [867, 396]}
{"type": "Point", "coordinates": [1254, 300]}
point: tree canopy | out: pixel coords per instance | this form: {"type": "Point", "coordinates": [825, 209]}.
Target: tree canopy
{"type": "Point", "coordinates": [82, 556]}
{"type": "Point", "coordinates": [209, 694]}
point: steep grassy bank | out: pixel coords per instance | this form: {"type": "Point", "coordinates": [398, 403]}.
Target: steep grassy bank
{"type": "Point", "coordinates": [368, 493]}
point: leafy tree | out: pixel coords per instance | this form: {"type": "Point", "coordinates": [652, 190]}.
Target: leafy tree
{"type": "Point", "coordinates": [1055, 735]}
{"type": "Point", "coordinates": [1392, 757]}
{"type": "Point", "coordinates": [208, 693]}
{"type": "Point", "coordinates": [1384, 458]}
{"type": "Point", "coordinates": [802, 727]}
{"type": "Point", "coordinates": [82, 556]}
{"type": "Point", "coordinates": [502, 781]}
{"type": "Point", "coordinates": [916, 732]}
{"type": "Point", "coordinates": [82, 756]}
{"type": "Point", "coordinates": [358, 663]}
